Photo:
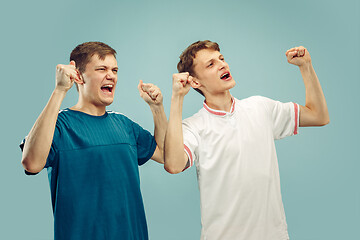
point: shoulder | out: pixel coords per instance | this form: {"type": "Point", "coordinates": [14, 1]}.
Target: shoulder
{"type": "Point", "coordinates": [255, 104]}
{"type": "Point", "coordinates": [63, 116]}
{"type": "Point", "coordinates": [64, 112]}
{"type": "Point", "coordinates": [197, 117]}
{"type": "Point", "coordinates": [196, 122]}
{"type": "Point", "coordinates": [119, 115]}
{"type": "Point", "coordinates": [253, 100]}
{"type": "Point", "coordinates": [256, 101]}
{"type": "Point", "coordinates": [123, 120]}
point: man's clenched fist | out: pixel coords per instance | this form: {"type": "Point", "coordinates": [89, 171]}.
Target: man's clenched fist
{"type": "Point", "coordinates": [150, 93]}
{"type": "Point", "coordinates": [181, 83]}
{"type": "Point", "coordinates": [298, 56]}
{"type": "Point", "coordinates": [66, 75]}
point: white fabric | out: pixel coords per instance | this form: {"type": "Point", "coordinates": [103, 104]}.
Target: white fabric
{"type": "Point", "coordinates": [237, 167]}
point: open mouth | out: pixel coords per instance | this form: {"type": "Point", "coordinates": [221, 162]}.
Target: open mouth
{"type": "Point", "coordinates": [107, 88]}
{"type": "Point", "coordinates": [225, 76]}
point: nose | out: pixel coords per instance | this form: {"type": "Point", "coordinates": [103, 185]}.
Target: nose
{"type": "Point", "coordinates": [222, 65]}
{"type": "Point", "coordinates": [110, 75]}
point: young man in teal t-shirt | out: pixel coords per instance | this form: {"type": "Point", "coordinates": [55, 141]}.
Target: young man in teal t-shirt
{"type": "Point", "coordinates": [91, 154]}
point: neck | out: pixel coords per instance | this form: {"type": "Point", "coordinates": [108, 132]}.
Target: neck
{"type": "Point", "coordinates": [220, 102]}
{"type": "Point", "coordinates": [89, 109]}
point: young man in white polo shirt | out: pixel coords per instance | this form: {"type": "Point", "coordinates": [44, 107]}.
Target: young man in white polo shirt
{"type": "Point", "coordinates": [231, 142]}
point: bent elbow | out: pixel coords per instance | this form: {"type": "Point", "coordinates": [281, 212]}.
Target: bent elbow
{"type": "Point", "coordinates": [30, 166]}
{"type": "Point", "coordinates": [172, 170]}
{"type": "Point", "coordinates": [324, 121]}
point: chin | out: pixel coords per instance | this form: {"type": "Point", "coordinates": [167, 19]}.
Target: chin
{"type": "Point", "coordinates": [231, 85]}
{"type": "Point", "coordinates": [107, 102]}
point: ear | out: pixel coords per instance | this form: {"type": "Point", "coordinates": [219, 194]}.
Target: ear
{"type": "Point", "coordinates": [194, 82]}
{"type": "Point", "coordinates": [79, 79]}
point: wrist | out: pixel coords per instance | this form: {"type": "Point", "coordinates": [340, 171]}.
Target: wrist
{"type": "Point", "coordinates": [59, 89]}
{"type": "Point", "coordinates": [306, 66]}
{"type": "Point", "coordinates": [156, 107]}
{"type": "Point", "coordinates": [177, 97]}
{"type": "Point", "coordinates": [59, 92]}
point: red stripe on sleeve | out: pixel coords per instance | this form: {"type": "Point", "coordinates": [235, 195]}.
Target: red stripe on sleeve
{"type": "Point", "coordinates": [296, 118]}
{"type": "Point", "coordinates": [189, 153]}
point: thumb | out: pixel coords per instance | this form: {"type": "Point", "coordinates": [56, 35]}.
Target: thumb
{"type": "Point", "coordinates": [291, 55]}
{"type": "Point", "coordinates": [72, 62]}
{"type": "Point", "coordinates": [139, 85]}
{"type": "Point", "coordinates": [146, 86]}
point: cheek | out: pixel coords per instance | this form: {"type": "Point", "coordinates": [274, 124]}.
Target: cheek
{"type": "Point", "coordinates": [213, 74]}
{"type": "Point", "coordinates": [92, 86]}
{"type": "Point", "coordinates": [209, 74]}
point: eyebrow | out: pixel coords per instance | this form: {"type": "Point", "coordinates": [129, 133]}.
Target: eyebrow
{"type": "Point", "coordinates": [104, 66]}
{"type": "Point", "coordinates": [212, 59]}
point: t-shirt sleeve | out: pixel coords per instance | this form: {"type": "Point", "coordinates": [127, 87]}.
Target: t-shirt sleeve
{"type": "Point", "coordinates": [52, 152]}
{"type": "Point", "coordinates": [145, 142]}
{"type": "Point", "coordinates": [191, 142]}
{"type": "Point", "coordinates": [284, 116]}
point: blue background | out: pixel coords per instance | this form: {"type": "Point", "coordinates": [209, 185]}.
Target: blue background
{"type": "Point", "coordinates": [319, 168]}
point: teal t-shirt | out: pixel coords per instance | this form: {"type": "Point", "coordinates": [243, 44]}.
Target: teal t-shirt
{"type": "Point", "coordinates": [94, 176]}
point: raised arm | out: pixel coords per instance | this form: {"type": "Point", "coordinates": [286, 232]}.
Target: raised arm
{"type": "Point", "coordinates": [315, 111]}
{"type": "Point", "coordinates": [39, 139]}
{"type": "Point", "coordinates": [152, 95]}
{"type": "Point", "coordinates": [174, 155]}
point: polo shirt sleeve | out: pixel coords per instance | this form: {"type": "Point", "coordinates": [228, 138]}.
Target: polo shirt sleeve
{"type": "Point", "coordinates": [191, 142]}
{"type": "Point", "coordinates": [145, 143]}
{"type": "Point", "coordinates": [52, 152]}
{"type": "Point", "coordinates": [284, 117]}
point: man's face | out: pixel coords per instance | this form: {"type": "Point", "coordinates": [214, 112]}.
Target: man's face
{"type": "Point", "coordinates": [100, 78]}
{"type": "Point", "coordinates": [212, 72]}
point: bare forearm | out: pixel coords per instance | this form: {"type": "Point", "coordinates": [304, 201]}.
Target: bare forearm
{"type": "Point", "coordinates": [160, 123]}
{"type": "Point", "coordinates": [315, 103]}
{"type": "Point", "coordinates": [38, 141]}
{"type": "Point", "coordinates": [174, 145]}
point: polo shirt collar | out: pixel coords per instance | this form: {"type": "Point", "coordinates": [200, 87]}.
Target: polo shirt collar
{"type": "Point", "coordinates": [219, 112]}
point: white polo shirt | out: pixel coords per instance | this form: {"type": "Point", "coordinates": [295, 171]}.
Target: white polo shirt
{"type": "Point", "coordinates": [237, 167]}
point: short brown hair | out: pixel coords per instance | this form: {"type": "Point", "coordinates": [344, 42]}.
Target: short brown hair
{"type": "Point", "coordinates": [83, 53]}
{"type": "Point", "coordinates": [186, 63]}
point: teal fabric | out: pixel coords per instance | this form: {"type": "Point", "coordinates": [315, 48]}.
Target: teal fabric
{"type": "Point", "coordinates": [94, 177]}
